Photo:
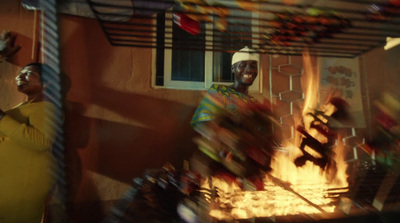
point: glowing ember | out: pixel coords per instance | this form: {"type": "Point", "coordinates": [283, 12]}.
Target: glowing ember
{"type": "Point", "coordinates": [288, 189]}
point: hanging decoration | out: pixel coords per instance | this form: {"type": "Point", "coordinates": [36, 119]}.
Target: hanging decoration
{"type": "Point", "coordinates": [248, 5]}
{"type": "Point", "coordinates": [308, 28]}
{"type": "Point", "coordinates": [200, 11]}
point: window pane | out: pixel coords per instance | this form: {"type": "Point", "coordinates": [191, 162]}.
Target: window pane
{"type": "Point", "coordinates": [222, 67]}
{"type": "Point", "coordinates": [187, 65]}
{"type": "Point", "coordinates": [160, 49]}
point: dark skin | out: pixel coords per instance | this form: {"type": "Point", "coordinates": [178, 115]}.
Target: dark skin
{"type": "Point", "coordinates": [245, 72]}
{"type": "Point", "coordinates": [29, 83]}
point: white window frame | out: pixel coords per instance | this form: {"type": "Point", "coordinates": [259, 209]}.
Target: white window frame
{"type": "Point", "coordinates": [208, 61]}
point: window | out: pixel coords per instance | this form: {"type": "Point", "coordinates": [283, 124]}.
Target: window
{"type": "Point", "coordinates": [186, 61]}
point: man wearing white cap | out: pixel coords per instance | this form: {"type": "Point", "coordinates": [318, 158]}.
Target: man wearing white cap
{"type": "Point", "coordinates": [215, 119]}
{"type": "Point", "coordinates": [223, 117]}
{"type": "Point", "coordinates": [245, 70]}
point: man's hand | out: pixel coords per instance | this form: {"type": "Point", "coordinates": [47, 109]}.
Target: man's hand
{"type": "Point", "coordinates": [7, 45]}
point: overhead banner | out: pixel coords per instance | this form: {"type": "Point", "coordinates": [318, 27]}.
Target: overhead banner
{"type": "Point", "coordinates": [342, 76]}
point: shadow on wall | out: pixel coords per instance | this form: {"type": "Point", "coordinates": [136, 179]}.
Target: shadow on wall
{"type": "Point", "coordinates": [77, 132]}
{"type": "Point", "coordinates": [77, 135]}
{"type": "Point", "coordinates": [141, 131]}
{"type": "Point", "coordinates": [121, 151]}
{"type": "Point", "coordinates": [125, 151]}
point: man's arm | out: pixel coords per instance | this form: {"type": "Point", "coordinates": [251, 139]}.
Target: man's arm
{"type": "Point", "coordinates": [37, 135]}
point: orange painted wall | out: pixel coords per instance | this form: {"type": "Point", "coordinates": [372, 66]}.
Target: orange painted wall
{"type": "Point", "coordinates": [20, 22]}
{"type": "Point", "coordinates": [117, 126]}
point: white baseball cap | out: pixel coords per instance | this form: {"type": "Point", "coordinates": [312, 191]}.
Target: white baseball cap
{"type": "Point", "coordinates": [245, 54]}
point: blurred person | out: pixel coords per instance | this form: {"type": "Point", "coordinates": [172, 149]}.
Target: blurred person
{"type": "Point", "coordinates": [234, 126]}
{"type": "Point", "coordinates": [385, 140]}
{"type": "Point", "coordinates": [234, 135]}
{"type": "Point", "coordinates": [245, 70]}
{"type": "Point", "coordinates": [26, 161]}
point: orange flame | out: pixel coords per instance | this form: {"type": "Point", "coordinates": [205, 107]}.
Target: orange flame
{"type": "Point", "coordinates": [288, 189]}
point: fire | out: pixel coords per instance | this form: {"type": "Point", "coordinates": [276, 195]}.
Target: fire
{"type": "Point", "coordinates": [288, 189]}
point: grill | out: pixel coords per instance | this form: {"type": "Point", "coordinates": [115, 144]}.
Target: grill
{"type": "Point", "coordinates": [335, 28]}
{"type": "Point", "coordinates": [150, 200]}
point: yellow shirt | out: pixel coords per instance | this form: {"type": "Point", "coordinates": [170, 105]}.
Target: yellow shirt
{"type": "Point", "coordinates": [27, 166]}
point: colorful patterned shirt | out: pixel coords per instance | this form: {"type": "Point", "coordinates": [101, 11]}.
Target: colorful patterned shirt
{"type": "Point", "coordinates": [217, 97]}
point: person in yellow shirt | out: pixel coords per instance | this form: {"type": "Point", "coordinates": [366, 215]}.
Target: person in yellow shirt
{"type": "Point", "coordinates": [26, 163]}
